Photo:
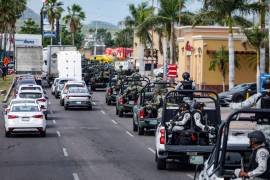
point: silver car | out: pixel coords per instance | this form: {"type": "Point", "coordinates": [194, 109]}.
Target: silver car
{"type": "Point", "coordinates": [78, 97]}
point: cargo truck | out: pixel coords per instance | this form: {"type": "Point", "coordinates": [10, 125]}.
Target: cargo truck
{"type": "Point", "coordinates": [70, 65]}
{"type": "Point", "coordinates": [52, 64]}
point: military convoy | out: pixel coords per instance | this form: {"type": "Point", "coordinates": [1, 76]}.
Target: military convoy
{"type": "Point", "coordinates": [187, 122]}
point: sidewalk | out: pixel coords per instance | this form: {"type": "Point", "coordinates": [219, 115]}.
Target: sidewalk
{"type": "Point", "coordinates": [4, 85]}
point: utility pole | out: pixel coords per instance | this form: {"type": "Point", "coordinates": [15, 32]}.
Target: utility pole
{"type": "Point", "coordinates": [95, 43]}
{"type": "Point", "coordinates": [41, 21]}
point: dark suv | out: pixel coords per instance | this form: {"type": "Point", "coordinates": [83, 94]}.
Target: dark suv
{"type": "Point", "coordinates": [237, 94]}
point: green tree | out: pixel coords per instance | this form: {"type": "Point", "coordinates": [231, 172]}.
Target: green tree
{"type": "Point", "coordinates": [257, 38]}
{"type": "Point", "coordinates": [74, 19]}
{"type": "Point", "coordinates": [30, 27]}
{"type": "Point", "coordinates": [124, 38]}
{"type": "Point", "coordinates": [103, 36]}
{"type": "Point", "coordinates": [221, 61]}
{"type": "Point", "coordinates": [67, 37]}
{"type": "Point", "coordinates": [229, 13]}
{"type": "Point", "coordinates": [53, 10]}
{"type": "Point", "coordinates": [139, 14]}
{"type": "Point", "coordinates": [10, 11]}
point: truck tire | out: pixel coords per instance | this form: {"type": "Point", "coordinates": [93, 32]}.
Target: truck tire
{"type": "Point", "coordinates": [140, 131]}
{"type": "Point", "coordinates": [121, 113]}
{"type": "Point", "coordinates": [116, 111]}
{"type": "Point", "coordinates": [90, 108]}
{"type": "Point", "coordinates": [109, 102]}
{"type": "Point", "coordinates": [161, 163]}
{"type": "Point", "coordinates": [43, 133]}
{"type": "Point", "coordinates": [66, 107]}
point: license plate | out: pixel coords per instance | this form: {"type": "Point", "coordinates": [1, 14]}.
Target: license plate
{"type": "Point", "coordinates": [154, 122]}
{"type": "Point", "coordinates": [78, 102]}
{"type": "Point", "coordinates": [196, 160]}
{"type": "Point", "coordinates": [25, 119]}
{"type": "Point", "coordinates": [131, 102]}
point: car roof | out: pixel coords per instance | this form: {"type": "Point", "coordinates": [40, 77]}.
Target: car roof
{"type": "Point", "coordinates": [30, 85]}
{"type": "Point", "coordinates": [75, 82]}
{"type": "Point", "coordinates": [22, 100]}
{"type": "Point", "coordinates": [26, 104]}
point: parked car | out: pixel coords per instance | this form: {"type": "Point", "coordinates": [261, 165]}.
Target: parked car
{"type": "Point", "coordinates": [54, 85]}
{"type": "Point", "coordinates": [38, 96]}
{"type": "Point", "coordinates": [78, 97]}
{"type": "Point", "coordinates": [25, 117]}
{"type": "Point", "coordinates": [237, 94]}
{"type": "Point", "coordinates": [68, 85]}
{"type": "Point", "coordinates": [60, 86]}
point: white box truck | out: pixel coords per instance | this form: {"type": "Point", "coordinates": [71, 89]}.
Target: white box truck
{"type": "Point", "coordinates": [29, 60]}
{"type": "Point", "coordinates": [52, 63]}
{"type": "Point", "coordinates": [70, 65]}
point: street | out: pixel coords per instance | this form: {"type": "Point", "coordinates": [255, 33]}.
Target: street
{"type": "Point", "coordinates": [82, 144]}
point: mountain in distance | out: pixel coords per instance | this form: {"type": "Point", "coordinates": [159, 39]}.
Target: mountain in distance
{"type": "Point", "coordinates": [101, 25]}
{"type": "Point", "coordinates": [28, 13]}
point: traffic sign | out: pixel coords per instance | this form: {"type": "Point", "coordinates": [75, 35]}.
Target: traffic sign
{"type": "Point", "coordinates": [172, 71]}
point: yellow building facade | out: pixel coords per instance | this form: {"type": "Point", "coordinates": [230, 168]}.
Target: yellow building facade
{"type": "Point", "coordinates": [203, 42]}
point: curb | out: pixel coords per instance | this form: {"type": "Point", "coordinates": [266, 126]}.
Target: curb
{"type": "Point", "coordinates": [9, 91]}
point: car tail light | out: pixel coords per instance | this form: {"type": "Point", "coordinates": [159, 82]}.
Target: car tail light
{"type": "Point", "coordinates": [121, 100]}
{"type": "Point", "coordinates": [162, 136]}
{"type": "Point", "coordinates": [109, 91]}
{"type": "Point", "coordinates": [93, 80]}
{"type": "Point", "coordinates": [41, 100]}
{"type": "Point", "coordinates": [194, 137]}
{"type": "Point", "coordinates": [12, 116]}
{"type": "Point", "coordinates": [39, 116]}
{"type": "Point", "coordinates": [141, 113]}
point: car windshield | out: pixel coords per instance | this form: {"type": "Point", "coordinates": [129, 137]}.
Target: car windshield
{"type": "Point", "coordinates": [75, 85]}
{"type": "Point", "coordinates": [30, 95]}
{"type": "Point", "coordinates": [25, 108]}
{"type": "Point", "coordinates": [63, 81]}
{"type": "Point", "coordinates": [78, 90]}
{"type": "Point", "coordinates": [29, 81]}
{"type": "Point", "coordinates": [239, 87]}
{"type": "Point", "coordinates": [31, 88]}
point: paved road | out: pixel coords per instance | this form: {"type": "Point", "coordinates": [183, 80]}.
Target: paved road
{"type": "Point", "coordinates": [84, 145]}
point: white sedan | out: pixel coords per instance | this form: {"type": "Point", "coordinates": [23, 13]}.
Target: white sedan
{"type": "Point", "coordinates": [25, 117]}
{"type": "Point", "coordinates": [38, 96]}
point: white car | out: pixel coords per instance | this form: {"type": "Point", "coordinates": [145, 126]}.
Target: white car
{"type": "Point", "coordinates": [17, 101]}
{"type": "Point", "coordinates": [38, 96]}
{"type": "Point", "coordinates": [31, 87]}
{"type": "Point", "coordinates": [54, 85]}
{"type": "Point", "coordinates": [68, 85]}
{"type": "Point", "coordinates": [60, 86]}
{"type": "Point", "coordinates": [25, 117]}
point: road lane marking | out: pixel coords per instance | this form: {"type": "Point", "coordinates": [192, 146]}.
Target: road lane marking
{"type": "Point", "coordinates": [54, 122]}
{"type": "Point", "coordinates": [190, 176]}
{"type": "Point", "coordinates": [152, 150]}
{"type": "Point", "coordinates": [49, 102]}
{"type": "Point", "coordinates": [102, 112]}
{"type": "Point", "coordinates": [94, 103]}
{"type": "Point", "coordinates": [58, 133]}
{"type": "Point", "coordinates": [129, 134]}
{"type": "Point", "coordinates": [65, 152]}
{"type": "Point", "coordinates": [114, 122]}
{"type": "Point", "coordinates": [75, 176]}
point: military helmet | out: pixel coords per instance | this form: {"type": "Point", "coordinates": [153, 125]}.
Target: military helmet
{"type": "Point", "coordinates": [266, 83]}
{"type": "Point", "coordinates": [186, 76]}
{"type": "Point", "coordinates": [184, 105]}
{"type": "Point", "coordinates": [257, 136]}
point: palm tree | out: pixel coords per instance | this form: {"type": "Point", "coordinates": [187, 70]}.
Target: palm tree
{"type": "Point", "coordinates": [257, 38]}
{"type": "Point", "coordinates": [262, 14]}
{"type": "Point", "coordinates": [138, 15]}
{"type": "Point", "coordinates": [53, 9]}
{"type": "Point", "coordinates": [227, 12]}
{"type": "Point", "coordinates": [73, 19]}
{"type": "Point", "coordinates": [10, 11]}
{"type": "Point", "coordinates": [221, 61]}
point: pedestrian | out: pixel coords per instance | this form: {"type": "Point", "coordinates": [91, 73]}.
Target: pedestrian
{"type": "Point", "coordinates": [4, 72]}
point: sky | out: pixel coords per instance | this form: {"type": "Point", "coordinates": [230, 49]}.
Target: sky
{"type": "Point", "coordinates": [111, 11]}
